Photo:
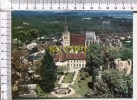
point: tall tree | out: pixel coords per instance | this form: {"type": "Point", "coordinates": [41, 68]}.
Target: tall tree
{"type": "Point", "coordinates": [48, 72]}
{"type": "Point", "coordinates": [95, 56]}
{"type": "Point", "coordinates": [95, 59]}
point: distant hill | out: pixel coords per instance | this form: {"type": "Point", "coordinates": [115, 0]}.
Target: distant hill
{"type": "Point", "coordinates": [125, 14]}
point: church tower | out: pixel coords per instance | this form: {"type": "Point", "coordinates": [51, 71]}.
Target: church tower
{"type": "Point", "coordinates": [66, 35]}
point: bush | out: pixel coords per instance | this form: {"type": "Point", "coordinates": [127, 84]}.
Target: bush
{"type": "Point", "coordinates": [87, 75]}
{"type": "Point", "coordinates": [79, 81]}
{"type": "Point", "coordinates": [61, 73]}
{"type": "Point", "coordinates": [82, 78]}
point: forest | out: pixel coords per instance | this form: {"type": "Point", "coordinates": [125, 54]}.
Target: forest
{"type": "Point", "coordinates": [51, 23]}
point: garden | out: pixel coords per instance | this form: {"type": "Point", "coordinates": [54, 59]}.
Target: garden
{"type": "Point", "coordinates": [81, 83]}
{"type": "Point", "coordinates": [68, 77]}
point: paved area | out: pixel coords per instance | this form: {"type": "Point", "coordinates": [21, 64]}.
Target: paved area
{"type": "Point", "coordinates": [74, 78]}
{"type": "Point", "coordinates": [64, 95]}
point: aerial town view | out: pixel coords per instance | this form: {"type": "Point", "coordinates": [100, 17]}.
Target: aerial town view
{"type": "Point", "coordinates": [72, 54]}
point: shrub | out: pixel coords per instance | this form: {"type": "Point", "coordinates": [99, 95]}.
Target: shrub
{"type": "Point", "coordinates": [61, 73]}
{"type": "Point", "coordinates": [82, 78]}
{"type": "Point", "coordinates": [87, 75]}
{"type": "Point", "coordinates": [79, 81]}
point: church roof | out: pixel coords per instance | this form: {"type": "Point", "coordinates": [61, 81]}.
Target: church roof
{"type": "Point", "coordinates": [77, 39]}
{"type": "Point", "coordinates": [90, 35]}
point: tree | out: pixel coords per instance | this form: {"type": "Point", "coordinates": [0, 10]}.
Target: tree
{"type": "Point", "coordinates": [58, 43]}
{"type": "Point", "coordinates": [62, 68]}
{"type": "Point", "coordinates": [21, 37]}
{"type": "Point", "coordinates": [95, 56]}
{"type": "Point", "coordinates": [95, 59]}
{"type": "Point", "coordinates": [110, 55]}
{"type": "Point", "coordinates": [114, 84]}
{"type": "Point", "coordinates": [126, 53]}
{"type": "Point", "coordinates": [48, 72]}
{"type": "Point", "coordinates": [34, 33]}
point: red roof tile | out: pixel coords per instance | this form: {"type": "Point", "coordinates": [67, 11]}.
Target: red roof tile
{"type": "Point", "coordinates": [77, 56]}
{"type": "Point", "coordinates": [64, 57]}
{"type": "Point", "coordinates": [77, 39]}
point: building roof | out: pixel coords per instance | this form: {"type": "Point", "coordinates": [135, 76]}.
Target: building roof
{"type": "Point", "coordinates": [77, 39]}
{"type": "Point", "coordinates": [76, 56]}
{"type": "Point", "coordinates": [90, 35]}
{"type": "Point", "coordinates": [31, 45]}
{"type": "Point", "coordinates": [63, 57]}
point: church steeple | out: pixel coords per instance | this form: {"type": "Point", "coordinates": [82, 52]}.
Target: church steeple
{"type": "Point", "coordinates": [66, 26]}
{"type": "Point", "coordinates": [66, 34]}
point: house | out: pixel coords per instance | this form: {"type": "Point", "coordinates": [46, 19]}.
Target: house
{"type": "Point", "coordinates": [72, 60]}
{"type": "Point", "coordinates": [31, 46]}
{"type": "Point", "coordinates": [123, 66]}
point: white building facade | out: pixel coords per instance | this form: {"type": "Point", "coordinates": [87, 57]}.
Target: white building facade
{"type": "Point", "coordinates": [72, 61]}
{"type": "Point", "coordinates": [76, 64]}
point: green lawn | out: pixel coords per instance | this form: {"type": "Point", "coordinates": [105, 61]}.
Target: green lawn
{"type": "Point", "coordinates": [81, 86]}
{"type": "Point", "coordinates": [68, 78]}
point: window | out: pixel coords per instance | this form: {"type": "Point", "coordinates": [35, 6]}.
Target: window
{"type": "Point", "coordinates": [79, 65]}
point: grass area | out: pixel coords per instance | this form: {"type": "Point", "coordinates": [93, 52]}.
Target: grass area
{"type": "Point", "coordinates": [81, 83]}
{"type": "Point", "coordinates": [56, 83]}
{"type": "Point", "coordinates": [68, 78]}
{"type": "Point", "coordinates": [42, 94]}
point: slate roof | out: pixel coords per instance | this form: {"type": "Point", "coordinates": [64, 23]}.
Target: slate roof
{"type": "Point", "coordinates": [90, 35]}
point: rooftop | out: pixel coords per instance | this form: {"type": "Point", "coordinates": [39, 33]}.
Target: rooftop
{"type": "Point", "coordinates": [77, 39]}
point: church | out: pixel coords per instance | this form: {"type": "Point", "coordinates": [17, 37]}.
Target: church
{"type": "Point", "coordinates": [75, 61]}
{"type": "Point", "coordinates": [83, 39]}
